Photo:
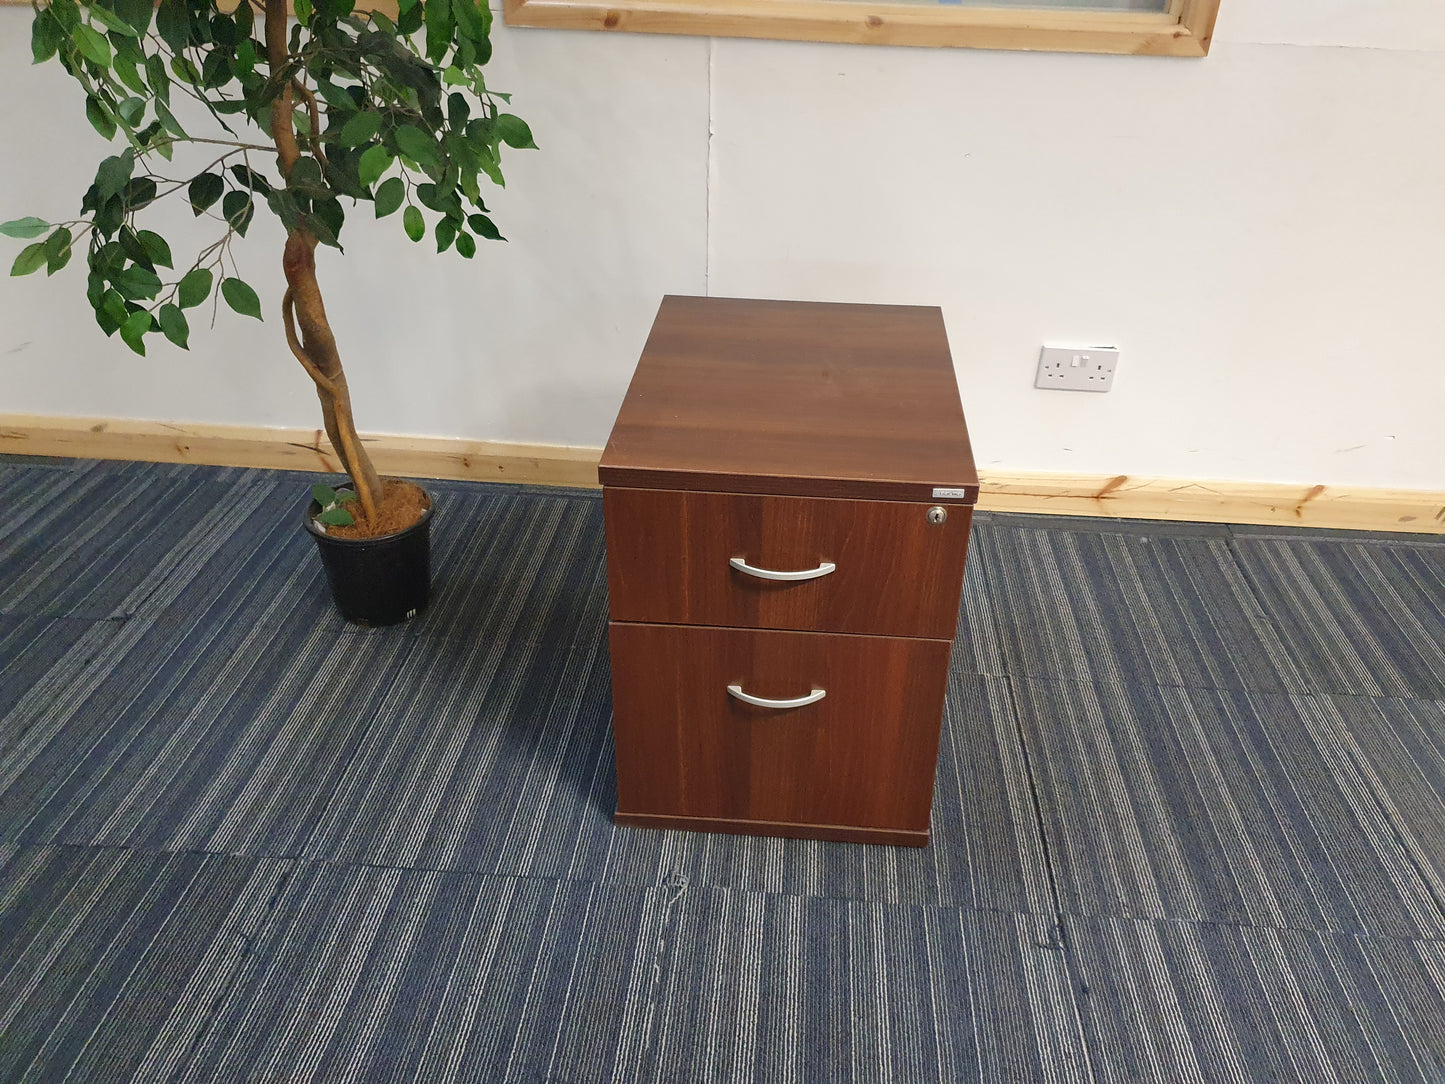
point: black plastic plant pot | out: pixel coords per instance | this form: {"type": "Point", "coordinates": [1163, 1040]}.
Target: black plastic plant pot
{"type": "Point", "coordinates": [377, 581]}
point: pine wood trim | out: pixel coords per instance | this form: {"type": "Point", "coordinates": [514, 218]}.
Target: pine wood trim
{"type": "Point", "coordinates": [1183, 31]}
{"type": "Point", "coordinates": [1203, 501]}
{"type": "Point", "coordinates": [1120, 496]}
{"type": "Point", "coordinates": [295, 449]}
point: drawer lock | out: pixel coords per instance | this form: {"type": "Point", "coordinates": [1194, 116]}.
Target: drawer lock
{"type": "Point", "coordinates": [937, 514]}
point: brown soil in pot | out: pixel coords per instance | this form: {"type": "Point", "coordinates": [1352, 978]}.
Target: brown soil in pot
{"type": "Point", "coordinates": [402, 504]}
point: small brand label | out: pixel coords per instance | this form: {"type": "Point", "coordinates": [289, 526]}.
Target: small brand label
{"type": "Point", "coordinates": [942, 494]}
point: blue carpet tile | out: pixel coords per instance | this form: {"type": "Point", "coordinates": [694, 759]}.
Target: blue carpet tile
{"type": "Point", "coordinates": [385, 975]}
{"type": "Point", "coordinates": [1152, 607]}
{"type": "Point", "coordinates": [112, 961]}
{"type": "Point", "coordinates": [1199, 1004]}
{"type": "Point", "coordinates": [32, 648]}
{"type": "Point", "coordinates": [1365, 618]}
{"type": "Point", "coordinates": [1214, 806]}
{"type": "Point", "coordinates": [1189, 820]}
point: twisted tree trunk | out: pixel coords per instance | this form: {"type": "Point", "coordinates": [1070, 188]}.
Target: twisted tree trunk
{"type": "Point", "coordinates": [308, 332]}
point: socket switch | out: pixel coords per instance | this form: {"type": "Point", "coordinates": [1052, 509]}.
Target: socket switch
{"type": "Point", "coordinates": [1076, 368]}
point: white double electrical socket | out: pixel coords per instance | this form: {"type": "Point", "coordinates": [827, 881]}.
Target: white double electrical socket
{"type": "Point", "coordinates": [1077, 368]}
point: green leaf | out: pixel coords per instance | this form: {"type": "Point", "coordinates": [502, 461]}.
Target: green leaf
{"type": "Point", "coordinates": [336, 517]}
{"type": "Point", "coordinates": [239, 209]}
{"type": "Point", "coordinates": [30, 260]}
{"type": "Point", "coordinates": [251, 179]}
{"type": "Point", "coordinates": [330, 213]}
{"type": "Point", "coordinates": [466, 245]}
{"type": "Point", "coordinates": [92, 44]}
{"type": "Point", "coordinates": [204, 191]}
{"type": "Point", "coordinates": [216, 71]}
{"type": "Point", "coordinates": [57, 250]}
{"type": "Point", "coordinates": [114, 174]}
{"type": "Point", "coordinates": [468, 19]}
{"type": "Point", "coordinates": [110, 20]}
{"type": "Point", "coordinates": [514, 132]}
{"type": "Point", "coordinates": [134, 329]}
{"type": "Point", "coordinates": [185, 70]}
{"type": "Point", "coordinates": [410, 19]}
{"type": "Point", "coordinates": [374, 162]}
{"type": "Point", "coordinates": [155, 248]}
{"type": "Point", "coordinates": [167, 118]}
{"type": "Point", "coordinates": [345, 496]}
{"type": "Point", "coordinates": [133, 111]}
{"type": "Point", "coordinates": [140, 193]}
{"type": "Point", "coordinates": [417, 145]}
{"type": "Point", "coordinates": [361, 128]}
{"type": "Point", "coordinates": [24, 228]}
{"type": "Point", "coordinates": [114, 303]}
{"type": "Point", "coordinates": [159, 78]}
{"type": "Point", "coordinates": [136, 13]}
{"type": "Point", "coordinates": [46, 36]}
{"type": "Point", "coordinates": [338, 98]}
{"type": "Point", "coordinates": [100, 118]}
{"type": "Point", "coordinates": [137, 283]}
{"type": "Point", "coordinates": [194, 288]}
{"type": "Point", "coordinates": [306, 177]}
{"type": "Point", "coordinates": [438, 29]}
{"type": "Point", "coordinates": [245, 54]}
{"type": "Point", "coordinates": [283, 205]}
{"type": "Point", "coordinates": [325, 496]}
{"type": "Point", "coordinates": [304, 10]}
{"type": "Point", "coordinates": [241, 297]}
{"type": "Point", "coordinates": [414, 224]}
{"type": "Point", "coordinates": [125, 67]}
{"type": "Point", "coordinates": [175, 327]}
{"type": "Point", "coordinates": [389, 196]}
{"type": "Point", "coordinates": [459, 111]}
{"type": "Point", "coordinates": [483, 226]}
{"type": "Point", "coordinates": [223, 29]}
{"type": "Point", "coordinates": [173, 24]}
{"type": "Point", "coordinates": [446, 233]}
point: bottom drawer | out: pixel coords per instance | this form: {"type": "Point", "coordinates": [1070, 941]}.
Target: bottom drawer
{"type": "Point", "coordinates": [857, 763]}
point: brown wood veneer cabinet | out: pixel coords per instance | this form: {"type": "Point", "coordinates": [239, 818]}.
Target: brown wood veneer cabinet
{"type": "Point", "coordinates": [819, 441]}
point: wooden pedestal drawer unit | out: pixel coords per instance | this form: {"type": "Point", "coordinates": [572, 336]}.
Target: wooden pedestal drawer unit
{"type": "Point", "coordinates": [788, 492]}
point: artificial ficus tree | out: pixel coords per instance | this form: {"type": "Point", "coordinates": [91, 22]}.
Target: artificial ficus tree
{"type": "Point", "coordinates": [303, 115]}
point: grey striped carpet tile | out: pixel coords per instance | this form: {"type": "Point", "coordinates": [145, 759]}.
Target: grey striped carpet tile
{"type": "Point", "coordinates": [109, 958]}
{"type": "Point", "coordinates": [1163, 608]}
{"type": "Point", "coordinates": [1399, 748]}
{"type": "Point", "coordinates": [985, 852]}
{"type": "Point", "coordinates": [368, 974]}
{"type": "Point", "coordinates": [95, 542]}
{"type": "Point", "coordinates": [32, 647]}
{"type": "Point", "coordinates": [1357, 617]}
{"type": "Point", "coordinates": [227, 737]}
{"type": "Point", "coordinates": [1209, 805]}
{"type": "Point", "coordinates": [1189, 1003]}
{"type": "Point", "coordinates": [757, 987]}
{"type": "Point", "coordinates": [390, 975]}
{"type": "Point", "coordinates": [216, 721]}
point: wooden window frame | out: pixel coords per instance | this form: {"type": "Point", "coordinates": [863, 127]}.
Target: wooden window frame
{"type": "Point", "coordinates": [1184, 30]}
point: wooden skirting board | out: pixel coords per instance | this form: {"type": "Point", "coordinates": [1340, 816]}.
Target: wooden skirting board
{"type": "Point", "coordinates": [1122, 496]}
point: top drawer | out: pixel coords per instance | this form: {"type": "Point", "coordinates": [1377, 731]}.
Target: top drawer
{"type": "Point", "coordinates": [670, 560]}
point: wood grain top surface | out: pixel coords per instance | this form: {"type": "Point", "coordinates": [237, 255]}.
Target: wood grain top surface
{"type": "Point", "coordinates": [797, 398]}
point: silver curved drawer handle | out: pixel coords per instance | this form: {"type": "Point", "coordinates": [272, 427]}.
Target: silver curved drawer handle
{"type": "Point", "coordinates": [758, 701]}
{"type": "Point", "coordinates": [742, 565]}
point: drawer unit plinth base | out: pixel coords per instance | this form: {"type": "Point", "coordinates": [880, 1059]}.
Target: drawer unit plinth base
{"type": "Point", "coordinates": [832, 832]}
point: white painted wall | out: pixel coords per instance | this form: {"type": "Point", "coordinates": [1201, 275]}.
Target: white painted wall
{"type": "Point", "coordinates": [1261, 232]}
